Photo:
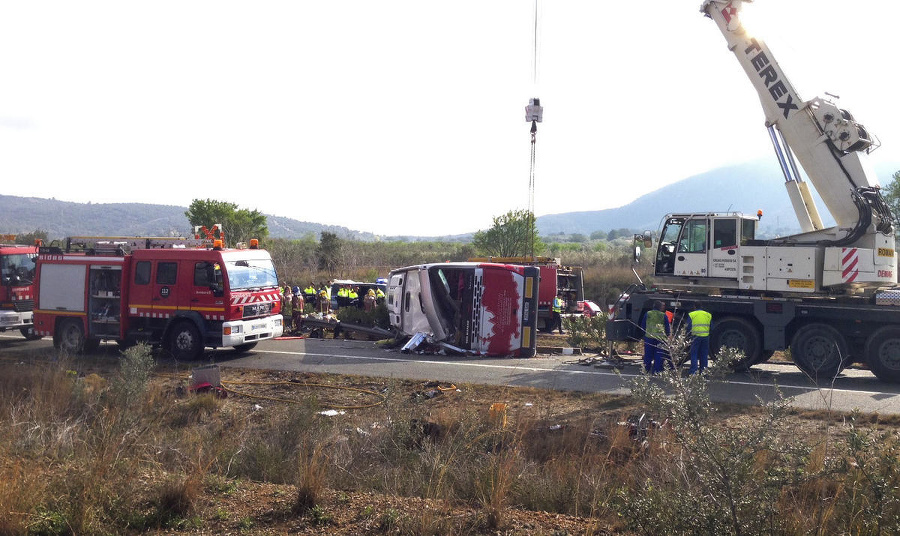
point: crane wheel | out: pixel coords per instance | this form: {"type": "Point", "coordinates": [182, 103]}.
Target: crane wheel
{"type": "Point", "coordinates": [883, 353]}
{"type": "Point", "coordinates": [739, 334]}
{"type": "Point", "coordinates": [820, 351]}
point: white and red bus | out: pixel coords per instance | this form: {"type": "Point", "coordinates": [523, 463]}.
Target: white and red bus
{"type": "Point", "coordinates": [471, 307]}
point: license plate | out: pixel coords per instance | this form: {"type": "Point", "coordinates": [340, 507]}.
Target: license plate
{"type": "Point", "coordinates": [256, 327]}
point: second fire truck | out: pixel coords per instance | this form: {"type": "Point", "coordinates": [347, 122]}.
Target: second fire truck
{"type": "Point", "coordinates": [17, 288]}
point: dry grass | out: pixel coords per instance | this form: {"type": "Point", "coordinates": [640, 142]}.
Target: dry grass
{"type": "Point", "coordinates": [77, 458]}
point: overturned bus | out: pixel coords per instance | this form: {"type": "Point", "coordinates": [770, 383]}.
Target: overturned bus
{"type": "Point", "coordinates": [467, 307]}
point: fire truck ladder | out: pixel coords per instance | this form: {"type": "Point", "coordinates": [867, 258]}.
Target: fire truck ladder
{"type": "Point", "coordinates": [120, 245]}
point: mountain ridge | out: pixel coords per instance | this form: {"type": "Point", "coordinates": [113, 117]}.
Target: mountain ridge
{"type": "Point", "coordinates": [743, 187]}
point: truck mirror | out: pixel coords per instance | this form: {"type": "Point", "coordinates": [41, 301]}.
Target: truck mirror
{"type": "Point", "coordinates": [648, 239]}
{"type": "Point", "coordinates": [637, 254]}
{"type": "Point", "coordinates": [215, 282]}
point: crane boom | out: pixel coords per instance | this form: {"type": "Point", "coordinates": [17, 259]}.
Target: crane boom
{"type": "Point", "coordinates": [829, 144]}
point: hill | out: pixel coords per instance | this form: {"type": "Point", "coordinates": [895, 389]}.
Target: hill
{"type": "Point", "coordinates": [65, 218]}
{"type": "Point", "coordinates": [742, 188]}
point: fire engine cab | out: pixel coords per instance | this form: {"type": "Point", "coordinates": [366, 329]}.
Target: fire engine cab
{"type": "Point", "coordinates": [17, 287]}
{"type": "Point", "coordinates": [180, 294]}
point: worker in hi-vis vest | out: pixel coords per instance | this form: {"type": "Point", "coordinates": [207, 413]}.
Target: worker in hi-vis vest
{"type": "Point", "coordinates": [557, 314]}
{"type": "Point", "coordinates": [698, 326]}
{"type": "Point", "coordinates": [656, 328]}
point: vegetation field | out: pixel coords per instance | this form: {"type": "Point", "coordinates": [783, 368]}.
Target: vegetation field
{"type": "Point", "coordinates": [123, 446]}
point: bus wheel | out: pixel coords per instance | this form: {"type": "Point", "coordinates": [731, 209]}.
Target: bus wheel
{"type": "Point", "coordinates": [820, 351]}
{"type": "Point", "coordinates": [184, 341]}
{"type": "Point", "coordinates": [241, 348]}
{"type": "Point", "coordinates": [69, 336]}
{"type": "Point", "coordinates": [883, 353]}
{"type": "Point", "coordinates": [29, 334]}
{"type": "Point", "coordinates": [739, 334]}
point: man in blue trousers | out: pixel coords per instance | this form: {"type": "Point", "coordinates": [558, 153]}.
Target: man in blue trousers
{"type": "Point", "coordinates": [656, 332]}
{"type": "Point", "coordinates": [698, 325]}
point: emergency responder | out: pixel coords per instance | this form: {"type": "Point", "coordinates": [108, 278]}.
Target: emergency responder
{"type": "Point", "coordinates": [309, 293]}
{"type": "Point", "coordinates": [698, 325]}
{"type": "Point", "coordinates": [324, 302]}
{"type": "Point", "coordinates": [297, 311]}
{"type": "Point", "coordinates": [343, 296]}
{"type": "Point", "coordinates": [656, 328]}
{"type": "Point", "coordinates": [353, 296]}
{"type": "Point", "coordinates": [379, 295]}
{"type": "Point", "coordinates": [369, 301]}
{"type": "Point", "coordinates": [287, 299]}
{"type": "Point", "coordinates": [557, 314]}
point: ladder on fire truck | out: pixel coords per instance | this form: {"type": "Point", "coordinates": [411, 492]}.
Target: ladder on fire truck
{"type": "Point", "coordinates": [121, 245]}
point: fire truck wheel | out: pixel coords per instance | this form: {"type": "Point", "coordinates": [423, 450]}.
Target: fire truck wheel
{"type": "Point", "coordinates": [29, 334]}
{"type": "Point", "coordinates": [184, 341]}
{"type": "Point", "coordinates": [245, 347]}
{"type": "Point", "coordinates": [820, 351]}
{"type": "Point", "coordinates": [69, 336]}
{"type": "Point", "coordinates": [739, 334]}
{"type": "Point", "coordinates": [883, 353]}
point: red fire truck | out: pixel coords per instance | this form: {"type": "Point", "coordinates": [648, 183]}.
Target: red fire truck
{"type": "Point", "coordinates": [17, 288]}
{"type": "Point", "coordinates": [180, 294]}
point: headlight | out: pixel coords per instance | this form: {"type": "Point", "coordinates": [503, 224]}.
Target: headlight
{"type": "Point", "coordinates": [230, 330]}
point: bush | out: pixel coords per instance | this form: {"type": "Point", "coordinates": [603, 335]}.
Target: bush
{"type": "Point", "coordinates": [135, 371]}
{"type": "Point", "coordinates": [706, 478]}
{"type": "Point", "coordinates": [584, 332]}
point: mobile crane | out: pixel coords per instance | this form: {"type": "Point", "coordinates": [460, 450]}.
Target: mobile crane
{"type": "Point", "coordinates": [828, 294]}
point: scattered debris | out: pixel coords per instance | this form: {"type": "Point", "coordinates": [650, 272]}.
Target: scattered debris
{"type": "Point", "coordinates": [639, 427]}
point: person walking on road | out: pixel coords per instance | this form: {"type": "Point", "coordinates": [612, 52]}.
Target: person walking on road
{"type": "Point", "coordinates": [656, 328]}
{"type": "Point", "coordinates": [698, 325]}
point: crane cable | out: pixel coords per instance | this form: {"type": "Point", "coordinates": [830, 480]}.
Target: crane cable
{"type": "Point", "coordinates": [534, 113]}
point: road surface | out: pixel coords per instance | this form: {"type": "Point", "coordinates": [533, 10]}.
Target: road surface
{"type": "Point", "coordinates": [854, 389]}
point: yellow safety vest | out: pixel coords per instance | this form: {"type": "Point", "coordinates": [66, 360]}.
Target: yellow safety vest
{"type": "Point", "coordinates": [700, 321]}
{"type": "Point", "coordinates": [656, 324]}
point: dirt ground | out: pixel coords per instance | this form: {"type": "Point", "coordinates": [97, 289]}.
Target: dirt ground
{"type": "Point", "coordinates": [262, 508]}
{"type": "Point", "coordinates": [245, 507]}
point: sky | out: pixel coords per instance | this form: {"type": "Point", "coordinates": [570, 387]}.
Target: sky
{"type": "Point", "coordinates": [407, 117]}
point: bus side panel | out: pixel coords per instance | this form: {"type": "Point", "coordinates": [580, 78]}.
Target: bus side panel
{"type": "Point", "coordinates": [502, 304]}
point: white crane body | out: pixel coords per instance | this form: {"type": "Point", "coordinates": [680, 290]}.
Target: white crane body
{"type": "Point", "coordinates": [855, 255]}
{"type": "Point", "coordinates": [828, 294]}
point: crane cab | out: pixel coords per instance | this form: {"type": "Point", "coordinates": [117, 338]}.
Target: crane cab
{"type": "Point", "coordinates": [703, 246]}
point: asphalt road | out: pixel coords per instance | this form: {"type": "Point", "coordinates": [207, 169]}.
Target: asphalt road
{"type": "Point", "coordinates": [854, 389]}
